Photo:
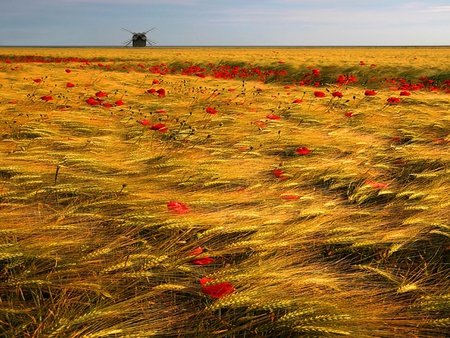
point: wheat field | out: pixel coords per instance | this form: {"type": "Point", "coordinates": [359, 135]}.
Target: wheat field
{"type": "Point", "coordinates": [224, 192]}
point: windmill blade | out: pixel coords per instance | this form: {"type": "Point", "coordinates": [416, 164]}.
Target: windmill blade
{"type": "Point", "coordinates": [128, 31]}
{"type": "Point", "coordinates": [127, 42]}
{"type": "Point", "coordinates": [151, 42]}
{"type": "Point", "coordinates": [149, 30]}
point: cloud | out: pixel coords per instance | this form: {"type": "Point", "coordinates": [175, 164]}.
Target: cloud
{"type": "Point", "coordinates": [438, 9]}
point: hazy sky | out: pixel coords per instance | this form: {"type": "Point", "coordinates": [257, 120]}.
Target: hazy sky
{"type": "Point", "coordinates": [225, 22]}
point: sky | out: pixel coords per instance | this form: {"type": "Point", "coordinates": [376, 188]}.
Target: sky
{"type": "Point", "coordinates": [225, 22]}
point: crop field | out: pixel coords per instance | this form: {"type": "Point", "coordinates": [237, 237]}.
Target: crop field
{"type": "Point", "coordinates": [224, 192]}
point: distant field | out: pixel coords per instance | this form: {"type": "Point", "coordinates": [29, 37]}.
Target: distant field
{"type": "Point", "coordinates": [224, 192]}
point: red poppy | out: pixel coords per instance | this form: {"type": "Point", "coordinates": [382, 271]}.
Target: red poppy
{"type": "Point", "coordinates": [196, 251]}
{"type": "Point", "coordinates": [157, 126]}
{"type": "Point", "coordinates": [161, 111]}
{"type": "Point", "coordinates": [337, 94]}
{"type": "Point", "coordinates": [319, 94]}
{"type": "Point", "coordinates": [377, 185]}
{"type": "Point", "coordinates": [151, 90]}
{"type": "Point", "coordinates": [210, 110]}
{"type": "Point", "coordinates": [161, 92]}
{"type": "Point", "coordinates": [394, 100]}
{"type": "Point", "coordinates": [349, 114]}
{"type": "Point", "coordinates": [289, 197]}
{"type": "Point", "coordinates": [119, 103]}
{"type": "Point", "coordinates": [101, 94]}
{"type": "Point", "coordinates": [303, 151]}
{"type": "Point", "coordinates": [47, 98]}
{"type": "Point", "coordinates": [144, 122]}
{"type": "Point", "coordinates": [405, 93]}
{"type": "Point", "coordinates": [178, 207]}
{"type": "Point", "coordinates": [370, 93]}
{"type": "Point", "coordinates": [202, 261]}
{"type": "Point", "coordinates": [93, 102]}
{"type": "Point", "coordinates": [37, 80]}
{"type": "Point", "coordinates": [107, 105]}
{"type": "Point", "coordinates": [163, 129]}
{"type": "Point", "coordinates": [218, 290]}
{"type": "Point", "coordinates": [155, 81]}
{"type": "Point", "coordinates": [67, 71]}
{"type": "Point", "coordinates": [205, 280]}
{"type": "Point", "coordinates": [278, 173]}
{"type": "Point", "coordinates": [297, 101]}
{"type": "Point", "coordinates": [273, 117]}
{"type": "Point", "coordinates": [70, 85]}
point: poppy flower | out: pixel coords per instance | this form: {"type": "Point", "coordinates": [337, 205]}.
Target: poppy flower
{"type": "Point", "coordinates": [303, 151]}
{"type": "Point", "coordinates": [202, 261]}
{"type": "Point", "coordinates": [144, 122]}
{"type": "Point", "coordinates": [47, 98]}
{"type": "Point", "coordinates": [70, 85]}
{"type": "Point", "coordinates": [319, 94]}
{"type": "Point", "coordinates": [370, 93]}
{"type": "Point", "coordinates": [93, 102]}
{"type": "Point", "coordinates": [67, 71]}
{"type": "Point", "coordinates": [107, 105]}
{"type": "Point", "coordinates": [205, 280]}
{"type": "Point", "coordinates": [151, 90]}
{"type": "Point", "coordinates": [405, 93]}
{"type": "Point", "coordinates": [297, 101]}
{"type": "Point", "coordinates": [155, 81]}
{"type": "Point", "coordinates": [196, 251]}
{"type": "Point", "coordinates": [278, 173]}
{"type": "Point", "coordinates": [101, 94]}
{"type": "Point", "coordinates": [349, 114]}
{"type": "Point", "coordinates": [119, 103]}
{"type": "Point", "coordinates": [160, 111]}
{"type": "Point", "coordinates": [163, 129]}
{"type": "Point", "coordinates": [218, 290]}
{"type": "Point", "coordinates": [161, 92]}
{"type": "Point", "coordinates": [210, 110]}
{"type": "Point", "coordinates": [289, 197]}
{"type": "Point", "coordinates": [157, 126]}
{"type": "Point", "coordinates": [337, 94]}
{"type": "Point", "coordinates": [273, 117]}
{"type": "Point", "coordinates": [377, 185]}
{"type": "Point", "coordinates": [178, 207]}
{"type": "Point", "coordinates": [37, 80]}
{"type": "Point", "coordinates": [394, 100]}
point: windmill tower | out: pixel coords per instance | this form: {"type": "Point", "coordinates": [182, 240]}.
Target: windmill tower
{"type": "Point", "coordinates": [139, 39]}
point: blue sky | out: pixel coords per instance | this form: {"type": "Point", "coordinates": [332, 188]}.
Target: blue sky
{"type": "Point", "coordinates": [225, 22]}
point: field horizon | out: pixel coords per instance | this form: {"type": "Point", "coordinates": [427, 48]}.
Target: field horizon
{"type": "Point", "coordinates": [271, 191]}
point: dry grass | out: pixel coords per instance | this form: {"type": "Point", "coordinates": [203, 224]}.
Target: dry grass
{"type": "Point", "coordinates": [351, 240]}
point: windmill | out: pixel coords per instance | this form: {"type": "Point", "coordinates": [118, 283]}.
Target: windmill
{"type": "Point", "coordinates": [139, 39]}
